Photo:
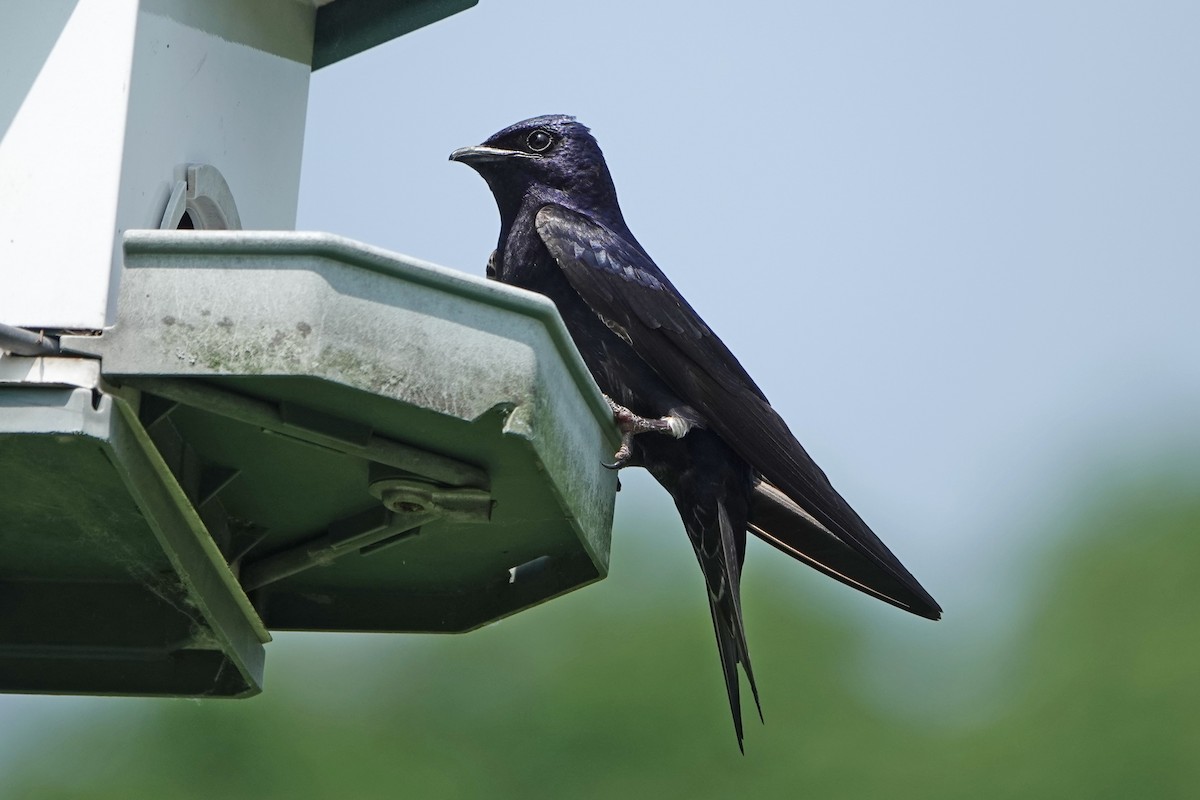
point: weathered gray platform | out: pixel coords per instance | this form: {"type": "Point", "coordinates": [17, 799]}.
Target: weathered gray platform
{"type": "Point", "coordinates": [362, 441]}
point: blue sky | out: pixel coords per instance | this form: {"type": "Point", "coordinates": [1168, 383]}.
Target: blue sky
{"type": "Point", "coordinates": [956, 244]}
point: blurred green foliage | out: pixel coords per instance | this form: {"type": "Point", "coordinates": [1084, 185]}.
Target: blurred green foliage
{"type": "Point", "coordinates": [615, 692]}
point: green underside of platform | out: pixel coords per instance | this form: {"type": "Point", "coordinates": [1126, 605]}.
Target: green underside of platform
{"type": "Point", "coordinates": [89, 601]}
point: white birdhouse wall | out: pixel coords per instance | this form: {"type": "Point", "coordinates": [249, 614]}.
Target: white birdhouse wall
{"type": "Point", "coordinates": [103, 104]}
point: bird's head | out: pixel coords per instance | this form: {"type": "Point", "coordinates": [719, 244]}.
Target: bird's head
{"type": "Point", "coordinates": [553, 153]}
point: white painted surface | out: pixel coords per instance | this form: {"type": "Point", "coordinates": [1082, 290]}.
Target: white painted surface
{"type": "Point", "coordinates": [57, 371]}
{"type": "Point", "coordinates": [198, 98]}
{"type": "Point", "coordinates": [60, 157]}
{"type": "Point", "coordinates": [105, 105]}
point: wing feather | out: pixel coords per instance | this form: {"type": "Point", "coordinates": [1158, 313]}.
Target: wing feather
{"type": "Point", "coordinates": [619, 282]}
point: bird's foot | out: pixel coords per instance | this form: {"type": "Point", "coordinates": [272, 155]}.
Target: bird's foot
{"type": "Point", "coordinates": [630, 425]}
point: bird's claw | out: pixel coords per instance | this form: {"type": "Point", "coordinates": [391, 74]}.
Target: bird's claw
{"type": "Point", "coordinates": [623, 454]}
{"type": "Point", "coordinates": [630, 425]}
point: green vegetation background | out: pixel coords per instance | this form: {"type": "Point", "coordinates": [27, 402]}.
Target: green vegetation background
{"type": "Point", "coordinates": [614, 691]}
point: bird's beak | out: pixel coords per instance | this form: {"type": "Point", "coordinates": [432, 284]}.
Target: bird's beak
{"type": "Point", "coordinates": [483, 154]}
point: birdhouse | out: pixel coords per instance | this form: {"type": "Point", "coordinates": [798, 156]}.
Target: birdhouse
{"type": "Point", "coordinates": [213, 426]}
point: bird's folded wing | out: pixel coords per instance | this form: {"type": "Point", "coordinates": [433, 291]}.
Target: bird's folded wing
{"type": "Point", "coordinates": [780, 522]}
{"type": "Point", "coordinates": [619, 282]}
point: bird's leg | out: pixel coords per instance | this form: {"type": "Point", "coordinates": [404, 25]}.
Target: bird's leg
{"type": "Point", "coordinates": [630, 425]}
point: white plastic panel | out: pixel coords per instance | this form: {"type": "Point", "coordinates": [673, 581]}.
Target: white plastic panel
{"type": "Point", "coordinates": [106, 103]}
{"type": "Point", "coordinates": [63, 93]}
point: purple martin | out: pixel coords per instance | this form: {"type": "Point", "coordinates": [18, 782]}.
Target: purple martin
{"type": "Point", "coordinates": [715, 443]}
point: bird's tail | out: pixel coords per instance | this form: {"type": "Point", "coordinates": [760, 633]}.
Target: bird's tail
{"type": "Point", "coordinates": [722, 571]}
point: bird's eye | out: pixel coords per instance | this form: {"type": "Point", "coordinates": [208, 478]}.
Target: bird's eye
{"type": "Point", "coordinates": [539, 141]}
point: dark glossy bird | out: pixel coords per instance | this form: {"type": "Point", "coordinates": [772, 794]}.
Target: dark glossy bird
{"type": "Point", "coordinates": [711, 437]}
